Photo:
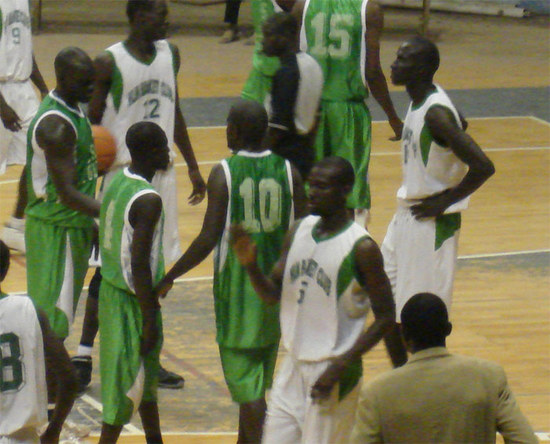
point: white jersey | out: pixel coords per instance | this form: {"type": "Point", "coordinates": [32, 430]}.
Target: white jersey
{"type": "Point", "coordinates": [140, 92]}
{"type": "Point", "coordinates": [428, 168]}
{"type": "Point", "coordinates": [15, 41]}
{"type": "Point", "coordinates": [319, 276]}
{"type": "Point", "coordinates": [23, 396]}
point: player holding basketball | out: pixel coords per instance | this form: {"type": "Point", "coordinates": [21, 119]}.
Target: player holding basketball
{"type": "Point", "coordinates": [344, 37]}
{"type": "Point", "coordinates": [28, 347]}
{"type": "Point", "coordinates": [61, 180]}
{"type": "Point", "coordinates": [442, 166]}
{"type": "Point", "coordinates": [18, 103]}
{"type": "Point", "coordinates": [130, 237]}
{"type": "Point", "coordinates": [263, 192]}
{"type": "Point", "coordinates": [136, 81]}
{"type": "Point", "coordinates": [324, 257]}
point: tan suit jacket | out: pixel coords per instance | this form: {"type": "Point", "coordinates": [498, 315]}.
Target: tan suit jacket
{"type": "Point", "coordinates": [440, 398]}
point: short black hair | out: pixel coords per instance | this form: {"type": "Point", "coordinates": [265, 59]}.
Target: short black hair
{"type": "Point", "coordinates": [427, 53]}
{"type": "Point", "coordinates": [425, 320]}
{"type": "Point", "coordinates": [142, 136]}
{"type": "Point", "coordinates": [68, 58]}
{"type": "Point", "coordinates": [133, 6]}
{"type": "Point", "coordinates": [344, 176]}
{"type": "Point", "coordinates": [4, 260]}
{"type": "Point", "coordinates": [282, 23]}
{"type": "Point", "coordinates": [250, 119]}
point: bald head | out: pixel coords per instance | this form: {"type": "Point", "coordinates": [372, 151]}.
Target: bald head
{"type": "Point", "coordinates": [148, 145]}
{"type": "Point", "coordinates": [74, 71]}
{"type": "Point", "coordinates": [426, 54]}
{"type": "Point", "coordinates": [341, 170]}
{"type": "Point", "coordinates": [71, 58]}
{"type": "Point", "coordinates": [247, 123]}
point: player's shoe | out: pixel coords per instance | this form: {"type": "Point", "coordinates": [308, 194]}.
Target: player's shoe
{"type": "Point", "coordinates": [83, 366]}
{"type": "Point", "coordinates": [14, 237]}
{"type": "Point", "coordinates": [230, 35]}
{"type": "Point", "coordinates": [73, 433]}
{"type": "Point", "coordinates": [170, 380]}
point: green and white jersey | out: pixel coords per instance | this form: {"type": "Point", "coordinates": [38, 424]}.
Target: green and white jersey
{"type": "Point", "coordinates": [333, 32]}
{"type": "Point", "coordinates": [23, 395]}
{"type": "Point", "coordinates": [260, 193]}
{"type": "Point", "coordinates": [140, 92]}
{"type": "Point", "coordinates": [428, 168]}
{"type": "Point", "coordinates": [318, 280]}
{"type": "Point", "coordinates": [116, 234]}
{"type": "Point", "coordinates": [15, 41]}
{"type": "Point", "coordinates": [261, 10]}
{"type": "Point", "coordinates": [44, 203]}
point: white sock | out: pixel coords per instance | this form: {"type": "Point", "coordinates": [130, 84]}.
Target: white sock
{"type": "Point", "coordinates": [18, 224]}
{"type": "Point", "coordinates": [84, 350]}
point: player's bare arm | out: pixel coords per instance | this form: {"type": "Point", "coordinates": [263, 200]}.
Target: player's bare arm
{"type": "Point", "coordinates": [103, 65]}
{"type": "Point", "coordinates": [58, 140]}
{"type": "Point", "coordinates": [60, 373]}
{"type": "Point", "coordinates": [376, 80]}
{"type": "Point", "coordinates": [9, 117]}
{"type": "Point", "coordinates": [370, 266]}
{"type": "Point", "coordinates": [445, 130]}
{"type": "Point", "coordinates": [298, 10]}
{"type": "Point", "coordinates": [144, 215]}
{"type": "Point", "coordinates": [38, 80]}
{"type": "Point", "coordinates": [211, 231]}
{"type": "Point", "coordinates": [299, 197]}
{"type": "Point", "coordinates": [181, 138]}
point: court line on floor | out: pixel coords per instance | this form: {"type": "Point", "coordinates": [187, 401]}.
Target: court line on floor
{"type": "Point", "coordinates": [539, 120]}
{"type": "Point", "coordinates": [97, 405]}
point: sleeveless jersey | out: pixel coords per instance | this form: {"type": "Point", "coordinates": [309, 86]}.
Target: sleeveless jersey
{"type": "Point", "coordinates": [44, 203]}
{"type": "Point", "coordinates": [319, 273]}
{"type": "Point", "coordinates": [23, 395]}
{"type": "Point", "coordinates": [116, 234]}
{"type": "Point", "coordinates": [260, 198]}
{"type": "Point", "coordinates": [333, 32]}
{"type": "Point", "coordinates": [261, 10]}
{"type": "Point", "coordinates": [140, 92]}
{"type": "Point", "coordinates": [428, 167]}
{"type": "Point", "coordinates": [15, 41]}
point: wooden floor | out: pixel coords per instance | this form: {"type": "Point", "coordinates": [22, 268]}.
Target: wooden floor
{"type": "Point", "coordinates": [501, 305]}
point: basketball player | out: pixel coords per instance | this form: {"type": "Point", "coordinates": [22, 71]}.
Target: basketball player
{"type": "Point", "coordinates": [61, 181]}
{"type": "Point", "coordinates": [263, 192]}
{"type": "Point", "coordinates": [130, 237]}
{"type": "Point", "coordinates": [442, 166]}
{"type": "Point", "coordinates": [18, 103]}
{"type": "Point", "coordinates": [258, 84]}
{"type": "Point", "coordinates": [324, 257]}
{"type": "Point", "coordinates": [136, 81]}
{"type": "Point", "coordinates": [344, 37]}
{"type": "Point", "coordinates": [28, 346]}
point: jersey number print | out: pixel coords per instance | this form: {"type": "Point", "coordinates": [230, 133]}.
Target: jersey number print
{"type": "Point", "coordinates": [338, 44]}
{"type": "Point", "coordinates": [269, 192]}
{"type": "Point", "coordinates": [11, 367]}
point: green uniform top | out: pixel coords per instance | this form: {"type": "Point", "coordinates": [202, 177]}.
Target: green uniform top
{"type": "Point", "coordinates": [335, 36]}
{"type": "Point", "coordinates": [261, 10]}
{"type": "Point", "coordinates": [116, 233]}
{"type": "Point", "coordinates": [44, 203]}
{"type": "Point", "coordinates": [260, 198]}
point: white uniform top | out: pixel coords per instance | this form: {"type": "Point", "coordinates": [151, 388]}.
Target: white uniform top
{"type": "Point", "coordinates": [23, 395]}
{"type": "Point", "coordinates": [428, 167]}
{"type": "Point", "coordinates": [140, 92]}
{"type": "Point", "coordinates": [319, 275]}
{"type": "Point", "coordinates": [15, 41]}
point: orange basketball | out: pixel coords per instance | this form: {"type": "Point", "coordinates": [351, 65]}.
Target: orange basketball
{"type": "Point", "coordinates": [105, 148]}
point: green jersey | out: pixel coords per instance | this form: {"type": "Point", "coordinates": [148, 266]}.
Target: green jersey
{"type": "Point", "coordinates": [260, 198]}
{"type": "Point", "coordinates": [333, 32]}
{"type": "Point", "coordinates": [44, 202]}
{"type": "Point", "coordinates": [116, 234]}
{"type": "Point", "coordinates": [261, 10]}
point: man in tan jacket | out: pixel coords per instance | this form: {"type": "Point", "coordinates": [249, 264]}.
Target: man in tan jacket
{"type": "Point", "coordinates": [438, 397]}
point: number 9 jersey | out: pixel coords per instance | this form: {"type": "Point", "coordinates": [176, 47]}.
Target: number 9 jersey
{"type": "Point", "coordinates": [23, 396]}
{"type": "Point", "coordinates": [15, 41]}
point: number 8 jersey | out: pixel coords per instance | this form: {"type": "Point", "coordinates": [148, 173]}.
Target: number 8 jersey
{"type": "Point", "coordinates": [23, 396]}
{"type": "Point", "coordinates": [140, 92]}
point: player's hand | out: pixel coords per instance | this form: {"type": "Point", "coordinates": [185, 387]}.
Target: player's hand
{"type": "Point", "coordinates": [9, 117]}
{"type": "Point", "coordinates": [163, 287]}
{"type": "Point", "coordinates": [325, 383]}
{"type": "Point", "coordinates": [244, 247]}
{"type": "Point", "coordinates": [150, 335]}
{"type": "Point", "coordinates": [431, 206]}
{"type": "Point", "coordinates": [397, 127]}
{"type": "Point", "coordinates": [199, 187]}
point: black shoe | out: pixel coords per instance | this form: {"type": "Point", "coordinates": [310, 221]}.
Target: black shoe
{"type": "Point", "coordinates": [83, 366]}
{"type": "Point", "coordinates": [170, 380]}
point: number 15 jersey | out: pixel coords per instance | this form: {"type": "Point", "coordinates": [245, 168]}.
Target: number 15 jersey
{"type": "Point", "coordinates": [140, 91]}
